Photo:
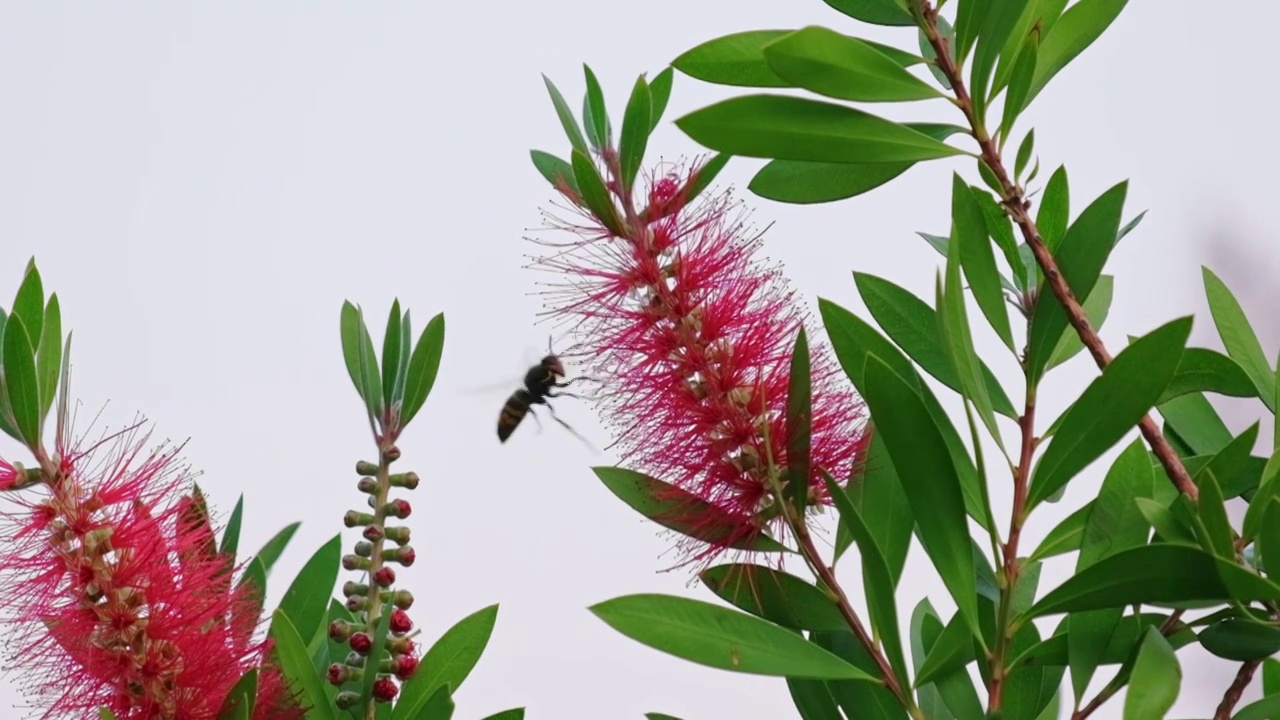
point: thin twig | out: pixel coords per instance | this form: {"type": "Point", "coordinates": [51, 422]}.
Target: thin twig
{"type": "Point", "coordinates": [1015, 202]}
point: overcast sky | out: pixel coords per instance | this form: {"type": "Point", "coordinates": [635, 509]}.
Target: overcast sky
{"type": "Point", "coordinates": [204, 183]}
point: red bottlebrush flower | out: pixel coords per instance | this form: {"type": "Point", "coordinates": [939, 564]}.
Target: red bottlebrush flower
{"type": "Point", "coordinates": [384, 577]}
{"type": "Point", "coordinates": [691, 337]}
{"type": "Point", "coordinates": [361, 643]}
{"type": "Point", "coordinates": [117, 601]}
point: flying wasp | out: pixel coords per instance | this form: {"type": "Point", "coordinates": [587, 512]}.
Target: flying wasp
{"type": "Point", "coordinates": [542, 381]}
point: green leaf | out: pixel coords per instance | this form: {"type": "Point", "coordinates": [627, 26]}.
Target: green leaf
{"type": "Point", "coordinates": [929, 476]}
{"type": "Point", "coordinates": [910, 322]}
{"type": "Point", "coordinates": [49, 355]}
{"type": "Point", "coordinates": [799, 424]}
{"type": "Point", "coordinates": [1156, 678]}
{"type": "Point", "coordinates": [380, 629]}
{"type": "Point", "coordinates": [1267, 708]}
{"type": "Point", "coordinates": [1114, 524]}
{"type": "Point", "coordinates": [953, 650]}
{"type": "Point", "coordinates": [969, 19]}
{"type": "Point", "coordinates": [878, 496]}
{"type": "Point", "coordinates": [595, 117]}
{"type": "Point", "coordinates": [1080, 260]}
{"type": "Point", "coordinates": [28, 304]}
{"type": "Point", "coordinates": [1242, 640]}
{"type": "Point", "coordinates": [1111, 405]}
{"type": "Point", "coordinates": [775, 596]}
{"type": "Point", "coordinates": [637, 123]}
{"type": "Point", "coordinates": [423, 367]}
{"type": "Point", "coordinates": [876, 12]}
{"type": "Point", "coordinates": [1054, 651]}
{"type": "Point", "coordinates": [273, 548]}
{"type": "Point", "coordinates": [1005, 23]}
{"type": "Point", "coordinates": [879, 581]}
{"type": "Point", "coordinates": [1154, 574]}
{"type": "Point", "coordinates": [813, 700]}
{"type": "Point", "coordinates": [1239, 339]}
{"type": "Point", "coordinates": [307, 598]}
{"type": "Point", "coordinates": [594, 194]}
{"type": "Point", "coordinates": [557, 172]}
{"type": "Point", "coordinates": [841, 67]}
{"type": "Point", "coordinates": [736, 59]}
{"type": "Point", "coordinates": [1166, 525]}
{"type": "Point", "coordinates": [350, 334]}
{"type": "Point", "coordinates": [1001, 231]}
{"type": "Point", "coordinates": [1196, 423]}
{"type": "Point", "coordinates": [707, 172]}
{"type": "Point", "coordinates": [858, 699]}
{"type": "Point", "coordinates": [20, 380]}
{"type": "Point", "coordinates": [854, 342]}
{"type": "Point", "coordinates": [716, 637]}
{"type": "Point", "coordinates": [1269, 538]}
{"type": "Point", "coordinates": [948, 35]}
{"type": "Point", "coordinates": [391, 341]}
{"type": "Point", "coordinates": [1268, 488]}
{"type": "Point", "coordinates": [1066, 536]}
{"type": "Point", "coordinates": [231, 536]}
{"type": "Point", "coordinates": [792, 128]}
{"type": "Point", "coordinates": [1025, 148]}
{"type": "Point", "coordinates": [567, 121]}
{"type": "Point", "coordinates": [950, 696]}
{"type": "Point", "coordinates": [953, 326]}
{"type": "Point", "coordinates": [449, 661]}
{"type": "Point", "coordinates": [512, 714]}
{"type": "Point", "coordinates": [804, 182]}
{"type": "Point", "coordinates": [1213, 514]}
{"type": "Point", "coordinates": [1055, 208]}
{"type": "Point", "coordinates": [1029, 690]}
{"type": "Point", "coordinates": [1271, 677]}
{"type": "Point", "coordinates": [439, 706]}
{"type": "Point", "coordinates": [660, 93]}
{"type": "Point", "coordinates": [291, 652]}
{"type": "Point", "coordinates": [969, 228]}
{"type": "Point", "coordinates": [681, 511]}
{"type": "Point", "coordinates": [1096, 308]}
{"type": "Point", "coordinates": [255, 577]}
{"type": "Point", "coordinates": [239, 702]}
{"type": "Point", "coordinates": [1076, 30]}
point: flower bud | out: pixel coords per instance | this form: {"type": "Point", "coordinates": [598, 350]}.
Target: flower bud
{"type": "Point", "coordinates": [403, 599]}
{"type": "Point", "coordinates": [398, 534]}
{"type": "Point", "coordinates": [339, 630]}
{"type": "Point", "coordinates": [352, 587]}
{"type": "Point", "coordinates": [397, 509]}
{"type": "Point", "coordinates": [400, 622]}
{"type": "Point", "coordinates": [338, 674]}
{"type": "Point", "coordinates": [385, 690]}
{"type": "Point", "coordinates": [406, 666]}
{"type": "Point", "coordinates": [367, 485]}
{"type": "Point", "coordinates": [354, 562]}
{"type": "Point", "coordinates": [354, 518]}
{"type": "Point", "coordinates": [403, 555]}
{"type": "Point", "coordinates": [364, 467]}
{"type": "Point", "coordinates": [357, 603]}
{"type": "Point", "coordinates": [361, 643]}
{"type": "Point", "coordinates": [364, 549]}
{"type": "Point", "coordinates": [346, 699]}
{"type": "Point", "coordinates": [354, 659]}
{"type": "Point", "coordinates": [373, 533]}
{"type": "Point", "coordinates": [392, 454]}
{"type": "Point", "coordinates": [384, 577]}
{"type": "Point", "coordinates": [408, 480]}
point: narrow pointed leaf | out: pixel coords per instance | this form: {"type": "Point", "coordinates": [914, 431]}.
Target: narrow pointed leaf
{"type": "Point", "coordinates": [380, 631]}
{"type": "Point", "coordinates": [448, 662]}
{"type": "Point", "coordinates": [799, 424]}
{"type": "Point", "coordinates": [423, 367]}
{"type": "Point", "coordinates": [307, 599]}
{"type": "Point", "coordinates": [20, 380]}
{"type": "Point", "coordinates": [1096, 308]}
{"type": "Point", "coordinates": [29, 305]}
{"type": "Point", "coordinates": [910, 322]}
{"type": "Point", "coordinates": [49, 355]}
{"type": "Point", "coordinates": [924, 465]}
{"type": "Point", "coordinates": [775, 596]}
{"type": "Point", "coordinates": [595, 117]}
{"type": "Point", "coordinates": [1110, 406]}
{"type": "Point", "coordinates": [556, 171]}
{"type": "Point", "coordinates": [716, 637]}
{"type": "Point", "coordinates": [274, 548]}
{"type": "Point", "coordinates": [567, 121]}
{"type": "Point", "coordinates": [1065, 537]}
{"type": "Point", "coordinates": [792, 128]}
{"type": "Point", "coordinates": [637, 123]}
{"type": "Point", "coordinates": [239, 702]}
{"type": "Point", "coordinates": [1240, 640]}
{"type": "Point", "coordinates": [878, 496]}
{"type": "Point", "coordinates": [977, 258]}
{"type": "Point", "coordinates": [953, 326]}
{"type": "Point", "coordinates": [512, 714]}
{"type": "Point", "coordinates": [876, 12]}
{"type": "Point", "coordinates": [391, 354]}
{"type": "Point", "coordinates": [1154, 574]}
{"type": "Point", "coordinates": [291, 652]}
{"type": "Point", "coordinates": [660, 90]}
{"type": "Point", "coordinates": [1055, 207]}
{"type": "Point", "coordinates": [231, 536]}
{"type": "Point", "coordinates": [1076, 30]}
{"type": "Point", "coordinates": [1239, 338]}
{"type": "Point", "coordinates": [1084, 251]}
{"type": "Point", "coordinates": [1156, 679]}
{"type": "Point", "coordinates": [842, 67]}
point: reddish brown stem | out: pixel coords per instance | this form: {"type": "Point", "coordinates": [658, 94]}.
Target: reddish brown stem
{"type": "Point", "coordinates": [1015, 202]}
{"type": "Point", "coordinates": [1233, 693]}
{"type": "Point", "coordinates": [828, 578]}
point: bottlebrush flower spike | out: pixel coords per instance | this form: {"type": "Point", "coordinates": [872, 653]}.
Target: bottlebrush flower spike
{"type": "Point", "coordinates": [690, 337]}
{"type": "Point", "coordinates": [114, 599]}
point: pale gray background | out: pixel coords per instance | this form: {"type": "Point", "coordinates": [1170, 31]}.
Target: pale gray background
{"type": "Point", "coordinates": [204, 183]}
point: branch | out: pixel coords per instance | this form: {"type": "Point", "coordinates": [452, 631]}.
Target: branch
{"type": "Point", "coordinates": [1166, 629]}
{"type": "Point", "coordinates": [1233, 693]}
{"type": "Point", "coordinates": [1016, 203]}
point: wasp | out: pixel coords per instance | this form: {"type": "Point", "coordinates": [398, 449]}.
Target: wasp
{"type": "Point", "coordinates": [541, 382]}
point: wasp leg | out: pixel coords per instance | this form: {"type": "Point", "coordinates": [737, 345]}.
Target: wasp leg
{"type": "Point", "coordinates": [536, 419]}
{"type": "Point", "coordinates": [564, 394]}
{"type": "Point", "coordinates": [569, 427]}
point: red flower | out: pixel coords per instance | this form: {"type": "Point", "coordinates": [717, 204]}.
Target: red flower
{"type": "Point", "coordinates": [119, 600]}
{"type": "Point", "coordinates": [691, 338]}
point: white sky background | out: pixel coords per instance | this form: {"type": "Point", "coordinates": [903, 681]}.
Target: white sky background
{"type": "Point", "coordinates": [203, 185]}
